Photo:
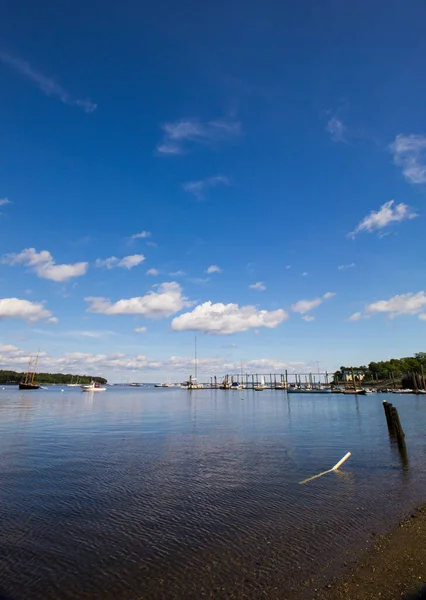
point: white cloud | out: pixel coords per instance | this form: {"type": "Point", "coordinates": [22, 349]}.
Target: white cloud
{"type": "Point", "coordinates": [224, 319]}
{"type": "Point", "coordinates": [422, 317]}
{"type": "Point", "coordinates": [111, 364]}
{"type": "Point", "coordinates": [259, 286]}
{"type": "Point", "coordinates": [180, 135]}
{"type": "Point", "coordinates": [355, 317]}
{"type": "Point", "coordinates": [88, 333]}
{"type": "Point", "coordinates": [44, 266]}
{"type": "Point", "coordinates": [308, 318]}
{"type": "Point", "coordinates": [48, 86]}
{"type": "Point", "coordinates": [15, 308]}
{"type": "Point", "coordinates": [4, 201]}
{"type": "Point", "coordinates": [401, 304]}
{"type": "Point", "coordinates": [141, 236]}
{"type": "Point", "coordinates": [288, 267]}
{"type": "Point", "coordinates": [409, 153]}
{"type": "Point", "coordinates": [165, 302]}
{"type": "Point", "coordinates": [153, 272]}
{"type": "Point", "coordinates": [213, 269]}
{"type": "Point", "coordinates": [305, 274]}
{"type": "Point", "coordinates": [140, 330]}
{"type": "Point", "coordinates": [198, 188]}
{"type": "Point", "coordinates": [304, 306]}
{"type": "Point", "coordinates": [336, 129]}
{"type": "Point", "coordinates": [127, 262]}
{"type": "Point", "coordinates": [344, 267]}
{"type": "Point", "coordinates": [382, 218]}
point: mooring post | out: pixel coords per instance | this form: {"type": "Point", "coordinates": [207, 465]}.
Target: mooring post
{"type": "Point", "coordinates": [397, 426]}
{"type": "Point", "coordinates": [387, 407]}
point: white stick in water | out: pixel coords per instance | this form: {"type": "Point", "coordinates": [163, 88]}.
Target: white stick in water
{"type": "Point", "coordinates": [336, 466]}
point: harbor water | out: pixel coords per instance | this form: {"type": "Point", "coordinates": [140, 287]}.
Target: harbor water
{"type": "Point", "coordinates": [170, 494]}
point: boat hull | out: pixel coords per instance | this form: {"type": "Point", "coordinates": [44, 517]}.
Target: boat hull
{"type": "Point", "coordinates": [29, 386]}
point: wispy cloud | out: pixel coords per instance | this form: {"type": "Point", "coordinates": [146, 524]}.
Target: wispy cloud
{"type": "Point", "coordinates": [140, 330]}
{"type": "Point", "coordinates": [213, 269]}
{"type": "Point", "coordinates": [178, 136]}
{"type": "Point", "coordinates": [308, 318]}
{"type": "Point", "coordinates": [44, 265]}
{"type": "Point", "coordinates": [305, 274]}
{"type": "Point", "coordinates": [127, 262]}
{"type": "Point", "coordinates": [259, 286]}
{"type": "Point", "coordinates": [336, 129]}
{"type": "Point", "coordinates": [48, 86]}
{"type": "Point", "coordinates": [344, 267]}
{"type": "Point", "coordinates": [4, 201]}
{"type": "Point", "coordinates": [199, 188]}
{"type": "Point", "coordinates": [387, 214]}
{"type": "Point", "coordinates": [141, 236]}
{"type": "Point", "coordinates": [304, 306]}
{"type": "Point", "coordinates": [409, 153]}
{"type": "Point", "coordinates": [153, 272]}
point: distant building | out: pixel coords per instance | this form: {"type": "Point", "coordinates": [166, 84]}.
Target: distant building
{"type": "Point", "coordinates": [347, 374]}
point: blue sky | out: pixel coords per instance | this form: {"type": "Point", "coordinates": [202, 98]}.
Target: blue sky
{"type": "Point", "coordinates": [144, 144]}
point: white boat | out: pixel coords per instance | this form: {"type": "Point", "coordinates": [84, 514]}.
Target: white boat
{"type": "Point", "coordinates": [94, 386]}
{"type": "Point", "coordinates": [260, 386]}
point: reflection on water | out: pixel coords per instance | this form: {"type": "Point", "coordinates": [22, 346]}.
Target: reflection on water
{"type": "Point", "coordinates": [143, 493]}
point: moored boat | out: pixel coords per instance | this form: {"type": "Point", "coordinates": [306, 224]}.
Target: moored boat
{"type": "Point", "coordinates": [94, 386]}
{"type": "Point", "coordinates": [29, 383]}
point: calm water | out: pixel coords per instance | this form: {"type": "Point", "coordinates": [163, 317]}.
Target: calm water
{"type": "Point", "coordinates": [152, 493]}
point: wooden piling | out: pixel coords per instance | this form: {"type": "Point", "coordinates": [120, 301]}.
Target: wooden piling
{"type": "Point", "coordinates": [387, 407]}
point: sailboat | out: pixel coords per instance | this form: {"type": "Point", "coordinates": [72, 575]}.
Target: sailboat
{"type": "Point", "coordinates": [192, 383]}
{"type": "Point", "coordinates": [29, 383]}
{"type": "Point", "coordinates": [73, 384]}
{"type": "Point", "coordinates": [260, 386]}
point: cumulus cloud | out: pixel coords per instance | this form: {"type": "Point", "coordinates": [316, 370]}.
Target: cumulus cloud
{"type": "Point", "coordinates": [166, 301]}
{"type": "Point", "coordinates": [224, 319]}
{"type": "Point", "coordinates": [153, 272]}
{"type": "Point", "coordinates": [213, 269]}
{"type": "Point", "coordinates": [396, 306]}
{"type": "Point", "coordinates": [179, 136]}
{"type": "Point", "coordinates": [199, 188]}
{"type": "Point", "coordinates": [15, 308]}
{"type": "Point", "coordinates": [141, 236]}
{"type": "Point", "coordinates": [387, 214]}
{"type": "Point", "coordinates": [409, 153]}
{"type": "Point", "coordinates": [304, 306]}
{"type": "Point", "coordinates": [344, 267]}
{"type": "Point", "coordinates": [127, 262]}
{"type": "Point", "coordinates": [48, 86]}
{"type": "Point", "coordinates": [12, 357]}
{"type": "Point", "coordinates": [259, 286]}
{"type": "Point", "coordinates": [336, 129]}
{"type": "Point", "coordinates": [44, 266]}
{"type": "Point", "coordinates": [140, 330]}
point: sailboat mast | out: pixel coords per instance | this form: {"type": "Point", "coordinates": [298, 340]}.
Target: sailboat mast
{"type": "Point", "coordinates": [27, 375]}
{"type": "Point", "coordinates": [35, 366]}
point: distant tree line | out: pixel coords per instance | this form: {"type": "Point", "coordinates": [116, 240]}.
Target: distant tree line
{"type": "Point", "coordinates": [398, 367]}
{"type": "Point", "coordinates": [13, 377]}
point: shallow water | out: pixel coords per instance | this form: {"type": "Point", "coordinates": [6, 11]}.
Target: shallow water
{"type": "Point", "coordinates": [165, 493]}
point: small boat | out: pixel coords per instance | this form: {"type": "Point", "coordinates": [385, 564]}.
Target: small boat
{"type": "Point", "coordinates": [260, 386]}
{"type": "Point", "coordinates": [94, 386]}
{"type": "Point", "coordinates": [29, 383]}
{"type": "Point", "coordinates": [134, 384]}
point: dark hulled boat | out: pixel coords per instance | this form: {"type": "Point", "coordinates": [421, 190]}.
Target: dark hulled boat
{"type": "Point", "coordinates": [29, 386]}
{"type": "Point", "coordinates": [29, 383]}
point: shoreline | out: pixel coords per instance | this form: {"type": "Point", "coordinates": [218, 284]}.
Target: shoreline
{"type": "Point", "coordinates": [394, 567]}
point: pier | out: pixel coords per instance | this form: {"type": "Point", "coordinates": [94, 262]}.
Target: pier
{"type": "Point", "coordinates": [279, 381]}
